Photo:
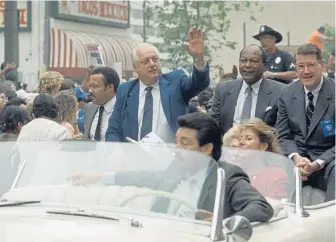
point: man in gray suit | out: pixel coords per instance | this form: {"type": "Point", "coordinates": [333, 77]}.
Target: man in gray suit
{"type": "Point", "coordinates": [103, 85]}
{"type": "Point", "coordinates": [253, 96]}
{"type": "Point", "coordinates": [306, 121]}
{"type": "Point", "coordinates": [199, 132]}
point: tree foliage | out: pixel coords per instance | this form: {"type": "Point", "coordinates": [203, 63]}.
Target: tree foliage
{"type": "Point", "coordinates": [329, 46]}
{"type": "Point", "coordinates": [173, 19]}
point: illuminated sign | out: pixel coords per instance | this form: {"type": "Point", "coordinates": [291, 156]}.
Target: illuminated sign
{"type": "Point", "coordinates": [24, 11]}
{"type": "Point", "coordinates": [111, 13]}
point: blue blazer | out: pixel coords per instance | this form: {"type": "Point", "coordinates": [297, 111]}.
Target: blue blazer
{"type": "Point", "coordinates": [176, 89]}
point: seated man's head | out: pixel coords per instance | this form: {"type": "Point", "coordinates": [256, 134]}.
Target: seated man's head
{"type": "Point", "coordinates": [199, 132]}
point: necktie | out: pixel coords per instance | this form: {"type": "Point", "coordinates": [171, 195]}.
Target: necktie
{"type": "Point", "coordinates": [310, 108]}
{"type": "Point", "coordinates": [147, 120]}
{"type": "Point", "coordinates": [98, 128]}
{"type": "Point", "coordinates": [246, 114]}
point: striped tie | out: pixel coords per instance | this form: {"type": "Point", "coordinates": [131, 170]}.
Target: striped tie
{"type": "Point", "coordinates": [310, 108]}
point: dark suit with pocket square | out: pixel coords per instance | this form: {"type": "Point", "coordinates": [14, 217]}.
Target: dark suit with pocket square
{"type": "Point", "coordinates": [316, 142]}
{"type": "Point", "coordinates": [227, 94]}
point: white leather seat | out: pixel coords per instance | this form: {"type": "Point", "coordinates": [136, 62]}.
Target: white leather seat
{"type": "Point", "coordinates": [312, 196]}
{"type": "Point", "coordinates": [88, 195]}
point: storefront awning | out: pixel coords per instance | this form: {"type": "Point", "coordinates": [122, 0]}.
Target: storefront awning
{"type": "Point", "coordinates": [68, 49]}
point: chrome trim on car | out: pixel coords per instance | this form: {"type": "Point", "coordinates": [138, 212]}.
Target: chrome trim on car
{"type": "Point", "coordinates": [216, 233]}
{"type": "Point", "coordinates": [299, 209]}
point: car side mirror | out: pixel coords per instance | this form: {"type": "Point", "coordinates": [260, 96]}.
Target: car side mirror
{"type": "Point", "coordinates": [237, 229]}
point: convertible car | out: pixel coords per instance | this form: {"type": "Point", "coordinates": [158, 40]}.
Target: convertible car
{"type": "Point", "coordinates": [78, 191]}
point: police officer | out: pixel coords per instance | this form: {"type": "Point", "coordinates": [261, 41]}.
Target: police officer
{"type": "Point", "coordinates": [280, 64]}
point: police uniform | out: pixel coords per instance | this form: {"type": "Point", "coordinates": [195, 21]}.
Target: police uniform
{"type": "Point", "coordinates": [280, 61]}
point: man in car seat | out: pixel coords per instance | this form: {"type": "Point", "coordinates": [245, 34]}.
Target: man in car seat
{"type": "Point", "coordinates": [199, 132]}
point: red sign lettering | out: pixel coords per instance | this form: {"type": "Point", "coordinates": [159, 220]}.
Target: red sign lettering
{"type": "Point", "coordinates": [22, 14]}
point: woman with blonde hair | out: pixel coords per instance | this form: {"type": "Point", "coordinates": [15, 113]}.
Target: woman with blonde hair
{"type": "Point", "coordinates": [50, 82]}
{"type": "Point", "coordinates": [67, 112]}
{"type": "Point", "coordinates": [267, 178]}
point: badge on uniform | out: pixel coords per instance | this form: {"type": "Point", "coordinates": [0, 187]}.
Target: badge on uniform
{"type": "Point", "coordinates": [328, 127]}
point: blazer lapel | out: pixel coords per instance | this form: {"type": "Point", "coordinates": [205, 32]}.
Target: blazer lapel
{"type": "Point", "coordinates": [165, 97]}
{"type": "Point", "coordinates": [263, 99]}
{"type": "Point", "coordinates": [88, 123]}
{"type": "Point", "coordinates": [131, 111]}
{"type": "Point", "coordinates": [321, 106]}
{"type": "Point", "coordinates": [299, 104]}
{"type": "Point", "coordinates": [232, 99]}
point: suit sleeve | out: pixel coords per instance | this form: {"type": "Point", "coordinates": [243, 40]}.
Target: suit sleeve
{"type": "Point", "coordinates": [245, 200]}
{"type": "Point", "coordinates": [216, 105]}
{"type": "Point", "coordinates": [328, 155]}
{"type": "Point", "coordinates": [114, 129]}
{"type": "Point", "coordinates": [285, 136]}
{"type": "Point", "coordinates": [192, 86]}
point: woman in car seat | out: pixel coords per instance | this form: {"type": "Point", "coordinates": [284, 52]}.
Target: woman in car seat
{"type": "Point", "coordinates": [267, 178]}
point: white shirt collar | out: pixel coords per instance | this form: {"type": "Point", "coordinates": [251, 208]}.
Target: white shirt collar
{"type": "Point", "coordinates": [143, 86]}
{"type": "Point", "coordinates": [110, 105]}
{"type": "Point", "coordinates": [255, 86]}
{"type": "Point", "coordinates": [316, 91]}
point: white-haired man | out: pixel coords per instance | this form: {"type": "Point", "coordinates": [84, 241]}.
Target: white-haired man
{"type": "Point", "coordinates": [154, 101]}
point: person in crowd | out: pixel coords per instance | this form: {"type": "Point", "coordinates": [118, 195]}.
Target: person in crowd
{"type": "Point", "coordinates": [154, 101]}
{"type": "Point", "coordinates": [16, 102]}
{"type": "Point", "coordinates": [67, 84]}
{"type": "Point", "coordinates": [306, 121]}
{"type": "Point", "coordinates": [15, 118]}
{"type": "Point", "coordinates": [331, 65]}
{"type": "Point", "coordinates": [317, 37]}
{"type": "Point", "coordinates": [82, 100]}
{"type": "Point", "coordinates": [268, 178]}
{"type": "Point", "coordinates": [3, 97]}
{"type": "Point", "coordinates": [50, 82]}
{"type": "Point", "coordinates": [228, 76]}
{"type": "Point", "coordinates": [85, 84]}
{"type": "Point", "coordinates": [202, 102]}
{"type": "Point", "coordinates": [280, 64]}
{"type": "Point", "coordinates": [67, 112]}
{"type": "Point", "coordinates": [43, 127]}
{"type": "Point", "coordinates": [248, 97]}
{"type": "Point", "coordinates": [199, 132]}
{"type": "Point", "coordinates": [5, 68]}
{"type": "Point", "coordinates": [103, 85]}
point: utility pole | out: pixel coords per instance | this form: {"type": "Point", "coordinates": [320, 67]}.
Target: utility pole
{"type": "Point", "coordinates": [11, 32]}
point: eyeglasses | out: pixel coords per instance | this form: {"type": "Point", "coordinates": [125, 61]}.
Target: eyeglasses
{"type": "Point", "coordinates": [310, 66]}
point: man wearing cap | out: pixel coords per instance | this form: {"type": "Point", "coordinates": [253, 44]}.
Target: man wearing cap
{"type": "Point", "coordinates": [82, 99]}
{"type": "Point", "coordinates": [317, 37]}
{"type": "Point", "coordinates": [280, 64]}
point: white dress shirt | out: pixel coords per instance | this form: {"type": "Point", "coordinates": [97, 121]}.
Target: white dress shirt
{"type": "Point", "coordinates": [241, 100]}
{"type": "Point", "coordinates": [108, 108]}
{"type": "Point", "coordinates": [160, 123]}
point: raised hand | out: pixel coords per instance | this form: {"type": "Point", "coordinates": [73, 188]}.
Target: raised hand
{"type": "Point", "coordinates": [195, 46]}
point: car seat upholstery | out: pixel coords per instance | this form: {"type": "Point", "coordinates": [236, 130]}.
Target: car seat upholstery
{"type": "Point", "coordinates": [88, 195]}
{"type": "Point", "coordinates": [312, 196]}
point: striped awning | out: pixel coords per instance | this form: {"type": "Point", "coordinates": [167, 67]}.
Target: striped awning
{"type": "Point", "coordinates": [68, 49]}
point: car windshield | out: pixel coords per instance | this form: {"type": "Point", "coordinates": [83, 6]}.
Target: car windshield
{"type": "Point", "coordinates": [271, 174]}
{"type": "Point", "coordinates": [144, 178]}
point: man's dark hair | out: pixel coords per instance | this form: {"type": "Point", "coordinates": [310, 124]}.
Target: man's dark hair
{"type": "Point", "coordinates": [15, 102]}
{"type": "Point", "coordinates": [207, 131]}
{"type": "Point", "coordinates": [262, 50]}
{"type": "Point", "coordinates": [67, 84]}
{"type": "Point", "coordinates": [11, 94]}
{"type": "Point", "coordinates": [44, 105]}
{"type": "Point", "coordinates": [12, 116]}
{"type": "Point", "coordinates": [309, 49]}
{"type": "Point", "coordinates": [110, 76]}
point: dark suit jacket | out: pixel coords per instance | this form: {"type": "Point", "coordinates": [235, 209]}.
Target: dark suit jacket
{"type": "Point", "coordinates": [241, 198]}
{"type": "Point", "coordinates": [226, 96]}
{"type": "Point", "coordinates": [90, 111]}
{"type": "Point", "coordinates": [292, 127]}
{"type": "Point", "coordinates": [176, 89]}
